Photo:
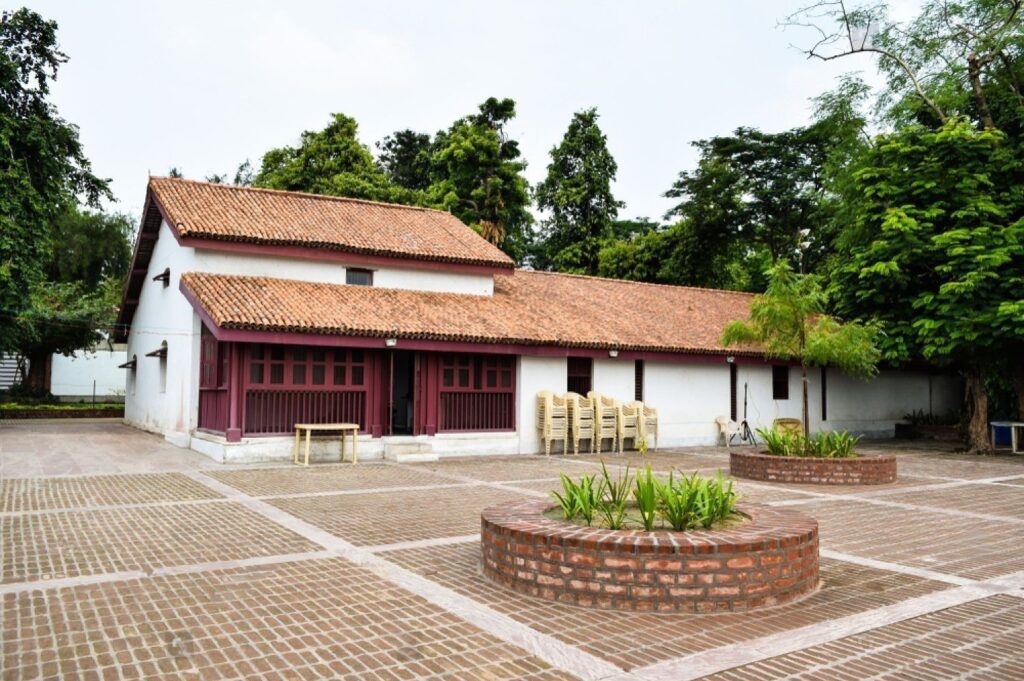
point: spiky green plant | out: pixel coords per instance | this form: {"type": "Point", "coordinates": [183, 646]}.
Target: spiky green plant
{"type": "Point", "coordinates": [646, 495]}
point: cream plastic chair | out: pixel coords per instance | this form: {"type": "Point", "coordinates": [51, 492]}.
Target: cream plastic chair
{"type": "Point", "coordinates": [794, 426]}
{"type": "Point", "coordinates": [629, 417]}
{"type": "Point", "coordinates": [648, 422]}
{"type": "Point", "coordinates": [581, 420]}
{"type": "Point", "coordinates": [606, 419]}
{"type": "Point", "coordinates": [727, 429]}
{"type": "Point", "coordinates": [552, 419]}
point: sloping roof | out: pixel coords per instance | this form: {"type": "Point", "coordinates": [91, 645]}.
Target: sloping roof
{"type": "Point", "coordinates": [264, 216]}
{"type": "Point", "coordinates": [527, 308]}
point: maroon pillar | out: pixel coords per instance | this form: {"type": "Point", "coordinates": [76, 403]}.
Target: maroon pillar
{"type": "Point", "coordinates": [235, 392]}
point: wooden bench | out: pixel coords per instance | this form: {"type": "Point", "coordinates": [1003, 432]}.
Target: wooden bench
{"type": "Point", "coordinates": [343, 427]}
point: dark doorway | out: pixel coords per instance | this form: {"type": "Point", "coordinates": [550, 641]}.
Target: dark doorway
{"type": "Point", "coordinates": [402, 390]}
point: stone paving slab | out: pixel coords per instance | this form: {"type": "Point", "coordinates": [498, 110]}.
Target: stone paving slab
{"type": "Point", "coordinates": [384, 518]}
{"type": "Point", "coordinates": [636, 639]}
{"type": "Point", "coordinates": [978, 640]}
{"type": "Point", "coordinates": [969, 547]}
{"type": "Point", "coordinates": [302, 620]}
{"type": "Point", "coordinates": [36, 494]}
{"type": "Point", "coordinates": [265, 482]}
{"type": "Point", "coordinates": [68, 544]}
{"type": "Point", "coordinates": [902, 481]}
{"type": "Point", "coordinates": [496, 469]}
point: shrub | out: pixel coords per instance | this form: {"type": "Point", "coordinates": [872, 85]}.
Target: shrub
{"type": "Point", "coordinates": [830, 445]}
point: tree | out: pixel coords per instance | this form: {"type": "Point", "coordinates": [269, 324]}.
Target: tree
{"type": "Point", "coordinates": [789, 322]}
{"type": "Point", "coordinates": [936, 253]}
{"type": "Point", "coordinates": [939, 64]}
{"type": "Point", "coordinates": [90, 247]}
{"type": "Point", "coordinates": [764, 190]}
{"type": "Point", "coordinates": [577, 191]}
{"type": "Point", "coordinates": [43, 173]}
{"type": "Point", "coordinates": [477, 174]}
{"type": "Point", "coordinates": [405, 156]}
{"type": "Point", "coordinates": [331, 161]}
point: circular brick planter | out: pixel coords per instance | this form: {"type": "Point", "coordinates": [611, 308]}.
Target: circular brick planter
{"type": "Point", "coordinates": [866, 469]}
{"type": "Point", "coordinates": [771, 559]}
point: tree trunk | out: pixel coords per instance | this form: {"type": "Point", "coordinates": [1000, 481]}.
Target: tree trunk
{"type": "Point", "coordinates": [976, 407]}
{"type": "Point", "coordinates": [38, 378]}
{"type": "Point", "coordinates": [806, 411]}
{"type": "Point", "coordinates": [974, 74]}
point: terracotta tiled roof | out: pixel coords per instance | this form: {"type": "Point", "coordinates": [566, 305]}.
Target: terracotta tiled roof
{"type": "Point", "coordinates": [527, 308]}
{"type": "Point", "coordinates": [265, 216]}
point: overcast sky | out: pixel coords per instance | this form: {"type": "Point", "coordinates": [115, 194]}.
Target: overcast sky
{"type": "Point", "coordinates": [206, 85]}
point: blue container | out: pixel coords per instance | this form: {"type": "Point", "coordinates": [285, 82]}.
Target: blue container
{"type": "Point", "coordinates": [1002, 436]}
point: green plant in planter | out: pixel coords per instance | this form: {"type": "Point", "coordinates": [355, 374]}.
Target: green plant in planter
{"type": "Point", "coordinates": [569, 500]}
{"type": "Point", "coordinates": [678, 501]}
{"type": "Point", "coordinates": [831, 445]}
{"type": "Point", "coordinates": [612, 504]}
{"type": "Point", "coordinates": [715, 500]}
{"type": "Point", "coordinates": [646, 494]}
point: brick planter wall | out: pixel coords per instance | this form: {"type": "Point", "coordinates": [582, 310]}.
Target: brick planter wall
{"type": "Point", "coordinates": [866, 469]}
{"type": "Point", "coordinates": [771, 559]}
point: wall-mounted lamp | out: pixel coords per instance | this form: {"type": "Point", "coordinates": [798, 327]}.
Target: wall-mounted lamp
{"type": "Point", "coordinates": [730, 359]}
{"type": "Point", "coordinates": [613, 353]}
{"type": "Point", "coordinates": [390, 342]}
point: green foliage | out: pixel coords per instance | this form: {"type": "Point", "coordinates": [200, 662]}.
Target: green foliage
{"type": "Point", "coordinates": [331, 161]}
{"type": "Point", "coordinates": [577, 192]}
{"type": "Point", "coordinates": [827, 445]}
{"type": "Point", "coordinates": [43, 169]}
{"type": "Point", "coordinates": [683, 503]}
{"type": "Point", "coordinates": [936, 252]}
{"type": "Point", "coordinates": [789, 322]}
{"type": "Point", "coordinates": [477, 174]}
{"type": "Point", "coordinates": [646, 495]}
{"type": "Point", "coordinates": [90, 247]}
{"type": "Point", "coordinates": [405, 157]}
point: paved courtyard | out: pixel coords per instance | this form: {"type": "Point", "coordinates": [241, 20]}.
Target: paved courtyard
{"type": "Point", "coordinates": [122, 557]}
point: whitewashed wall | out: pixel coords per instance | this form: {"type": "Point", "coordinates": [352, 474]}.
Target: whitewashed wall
{"type": "Point", "coordinates": [688, 397]}
{"type": "Point", "coordinates": [73, 376]}
{"type": "Point", "coordinates": [330, 272]}
{"type": "Point", "coordinates": [614, 378]}
{"type": "Point", "coordinates": [536, 374]}
{"type": "Point", "coordinates": [164, 315]}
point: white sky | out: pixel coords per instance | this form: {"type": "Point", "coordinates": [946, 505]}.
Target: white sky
{"type": "Point", "coordinates": [205, 85]}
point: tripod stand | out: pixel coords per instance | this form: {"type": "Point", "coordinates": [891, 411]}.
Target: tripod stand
{"type": "Point", "coordinates": [746, 435]}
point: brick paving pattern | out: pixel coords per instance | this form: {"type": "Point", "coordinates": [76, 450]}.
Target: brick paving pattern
{"type": "Point", "coordinates": [980, 640]}
{"type": "Point", "coordinates": [36, 494]}
{"type": "Point", "coordinates": [302, 620]}
{"type": "Point", "coordinates": [384, 518]}
{"type": "Point", "coordinates": [969, 547]}
{"type": "Point", "coordinates": [915, 583]}
{"type": "Point", "coordinates": [323, 478]}
{"type": "Point", "coordinates": [72, 543]}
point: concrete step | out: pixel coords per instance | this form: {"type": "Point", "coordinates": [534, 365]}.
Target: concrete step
{"type": "Point", "coordinates": [409, 452]}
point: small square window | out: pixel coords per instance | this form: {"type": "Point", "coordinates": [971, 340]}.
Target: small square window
{"type": "Point", "coordinates": [256, 374]}
{"type": "Point", "coordinates": [780, 382]}
{"type": "Point", "coordinates": [339, 374]}
{"type": "Point", "coordinates": [357, 375]}
{"type": "Point", "coordinates": [358, 277]}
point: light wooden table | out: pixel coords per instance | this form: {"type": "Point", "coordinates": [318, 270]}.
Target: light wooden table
{"type": "Point", "coordinates": [343, 427]}
{"type": "Point", "coordinates": [1013, 426]}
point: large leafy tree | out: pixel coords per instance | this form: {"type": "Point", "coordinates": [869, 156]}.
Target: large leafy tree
{"type": "Point", "coordinates": [764, 190]}
{"type": "Point", "coordinates": [405, 157]}
{"type": "Point", "coordinates": [789, 322]}
{"type": "Point", "coordinates": [577, 192]}
{"type": "Point", "coordinates": [477, 173]}
{"type": "Point", "coordinates": [936, 252]}
{"type": "Point", "coordinates": [331, 161]}
{"type": "Point", "coordinates": [43, 174]}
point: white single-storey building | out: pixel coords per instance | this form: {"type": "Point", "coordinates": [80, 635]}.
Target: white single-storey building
{"type": "Point", "coordinates": [249, 310]}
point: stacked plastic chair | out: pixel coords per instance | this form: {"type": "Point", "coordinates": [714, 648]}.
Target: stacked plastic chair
{"type": "Point", "coordinates": [581, 420]}
{"type": "Point", "coordinates": [606, 419]}
{"type": "Point", "coordinates": [552, 419]}
{"type": "Point", "coordinates": [628, 422]}
{"type": "Point", "coordinates": [648, 422]}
